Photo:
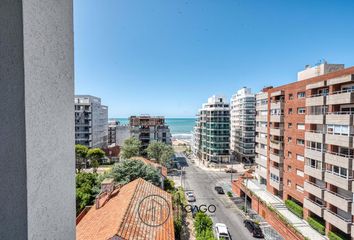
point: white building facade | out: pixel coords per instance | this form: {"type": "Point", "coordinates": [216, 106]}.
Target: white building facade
{"type": "Point", "coordinates": [243, 112]}
{"type": "Point", "coordinates": [91, 122]}
{"type": "Point", "coordinates": [211, 140]}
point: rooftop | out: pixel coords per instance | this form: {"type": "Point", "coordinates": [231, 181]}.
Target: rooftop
{"type": "Point", "coordinates": [122, 216]}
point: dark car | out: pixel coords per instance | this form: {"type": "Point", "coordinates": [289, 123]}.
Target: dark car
{"type": "Point", "coordinates": [219, 190]}
{"type": "Point", "coordinates": [253, 228]}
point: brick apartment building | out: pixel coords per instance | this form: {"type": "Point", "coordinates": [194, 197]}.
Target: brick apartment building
{"type": "Point", "coordinates": [309, 144]}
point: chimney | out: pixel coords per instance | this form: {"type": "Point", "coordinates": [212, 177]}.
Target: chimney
{"type": "Point", "coordinates": [107, 185]}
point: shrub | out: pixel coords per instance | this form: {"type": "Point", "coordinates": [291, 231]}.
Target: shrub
{"type": "Point", "coordinates": [202, 223]}
{"type": "Point", "coordinates": [229, 194]}
{"type": "Point", "coordinates": [206, 235]}
{"type": "Point", "coordinates": [335, 236]}
{"type": "Point", "coordinates": [294, 208]}
{"type": "Point", "coordinates": [318, 226]}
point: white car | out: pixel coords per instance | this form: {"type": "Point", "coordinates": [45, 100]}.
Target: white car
{"type": "Point", "coordinates": [190, 197]}
{"type": "Point", "coordinates": [221, 232]}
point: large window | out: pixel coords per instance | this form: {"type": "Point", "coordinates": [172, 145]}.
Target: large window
{"type": "Point", "coordinates": [338, 129]}
{"type": "Point", "coordinates": [313, 163]}
{"type": "Point", "coordinates": [301, 94]}
{"type": "Point", "coordinates": [301, 110]}
{"type": "Point", "coordinates": [340, 171]}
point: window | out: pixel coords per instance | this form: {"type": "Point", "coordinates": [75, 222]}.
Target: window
{"type": "Point", "coordinates": [300, 142]}
{"type": "Point", "coordinates": [338, 129]}
{"type": "Point", "coordinates": [290, 154]}
{"type": "Point", "coordinates": [301, 95]}
{"type": "Point", "coordinates": [289, 168]}
{"type": "Point", "coordinates": [300, 157]}
{"type": "Point", "coordinates": [274, 177]}
{"type": "Point", "coordinates": [290, 111]}
{"type": "Point", "coordinates": [290, 139]}
{"type": "Point", "coordinates": [301, 126]}
{"type": "Point", "coordinates": [299, 173]}
{"type": "Point", "coordinates": [289, 183]}
{"type": "Point", "coordinates": [291, 97]}
{"type": "Point", "coordinates": [301, 110]}
{"type": "Point", "coordinates": [290, 125]}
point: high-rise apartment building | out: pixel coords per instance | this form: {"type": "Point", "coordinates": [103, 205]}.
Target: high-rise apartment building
{"type": "Point", "coordinates": [309, 146]}
{"type": "Point", "coordinates": [242, 135]}
{"type": "Point", "coordinates": [212, 131]}
{"type": "Point", "coordinates": [261, 147]}
{"type": "Point", "coordinates": [112, 132]}
{"type": "Point", "coordinates": [91, 121]}
{"type": "Point", "coordinates": [147, 129]}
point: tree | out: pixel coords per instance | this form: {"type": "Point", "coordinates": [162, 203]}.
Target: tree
{"type": "Point", "coordinates": [95, 154]}
{"type": "Point", "coordinates": [86, 190]}
{"type": "Point", "coordinates": [202, 223]}
{"type": "Point", "coordinates": [131, 148]}
{"type": "Point", "coordinates": [80, 155]}
{"type": "Point", "coordinates": [129, 170]}
{"type": "Point", "coordinates": [160, 151]}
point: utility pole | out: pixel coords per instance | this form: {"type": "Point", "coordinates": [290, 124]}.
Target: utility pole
{"type": "Point", "coordinates": [246, 197]}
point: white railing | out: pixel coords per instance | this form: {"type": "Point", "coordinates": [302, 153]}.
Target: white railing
{"type": "Point", "coordinates": [349, 199]}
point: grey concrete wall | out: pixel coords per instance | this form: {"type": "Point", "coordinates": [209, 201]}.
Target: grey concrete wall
{"type": "Point", "coordinates": [37, 120]}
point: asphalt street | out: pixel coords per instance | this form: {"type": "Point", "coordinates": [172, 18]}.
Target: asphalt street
{"type": "Point", "coordinates": [202, 183]}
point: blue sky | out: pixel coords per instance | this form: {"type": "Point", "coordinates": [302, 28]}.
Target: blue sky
{"type": "Point", "coordinates": [166, 57]}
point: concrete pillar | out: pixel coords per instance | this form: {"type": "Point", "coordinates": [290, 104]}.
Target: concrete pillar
{"type": "Point", "coordinates": [37, 180]}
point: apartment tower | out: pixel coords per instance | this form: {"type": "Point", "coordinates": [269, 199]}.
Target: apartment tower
{"type": "Point", "coordinates": [310, 144]}
{"type": "Point", "coordinates": [242, 135]}
{"type": "Point", "coordinates": [91, 121]}
{"type": "Point", "coordinates": [147, 129]}
{"type": "Point", "coordinates": [212, 131]}
{"type": "Point", "coordinates": [261, 146]}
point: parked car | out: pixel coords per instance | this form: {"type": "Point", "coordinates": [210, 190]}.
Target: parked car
{"type": "Point", "coordinates": [190, 197]}
{"type": "Point", "coordinates": [253, 228]}
{"type": "Point", "coordinates": [230, 170]}
{"type": "Point", "coordinates": [219, 190]}
{"type": "Point", "coordinates": [221, 232]}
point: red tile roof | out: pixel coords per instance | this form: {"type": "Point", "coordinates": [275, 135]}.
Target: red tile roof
{"type": "Point", "coordinates": [138, 211]}
{"type": "Point", "coordinates": [152, 163]}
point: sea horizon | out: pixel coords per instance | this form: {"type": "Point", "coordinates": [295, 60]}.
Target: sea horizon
{"type": "Point", "coordinates": [181, 127]}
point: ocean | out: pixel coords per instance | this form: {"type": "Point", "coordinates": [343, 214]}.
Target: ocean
{"type": "Point", "coordinates": [181, 128]}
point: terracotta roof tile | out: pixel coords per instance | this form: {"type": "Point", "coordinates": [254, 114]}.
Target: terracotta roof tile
{"type": "Point", "coordinates": [139, 211]}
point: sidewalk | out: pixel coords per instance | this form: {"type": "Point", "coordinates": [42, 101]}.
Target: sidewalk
{"type": "Point", "coordinates": [301, 225]}
{"type": "Point", "coordinates": [237, 166]}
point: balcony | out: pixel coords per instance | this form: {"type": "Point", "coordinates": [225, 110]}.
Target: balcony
{"type": "Point", "coordinates": [276, 145]}
{"type": "Point", "coordinates": [262, 140]}
{"type": "Point", "coordinates": [314, 189]}
{"type": "Point", "coordinates": [275, 184]}
{"type": "Point", "coordinates": [262, 118]}
{"type": "Point", "coordinates": [277, 105]}
{"type": "Point", "coordinates": [277, 93]}
{"type": "Point", "coordinates": [262, 107]}
{"type": "Point", "coordinates": [261, 151]}
{"type": "Point", "coordinates": [314, 153]}
{"type": "Point", "coordinates": [314, 207]}
{"type": "Point", "coordinates": [260, 161]}
{"type": "Point", "coordinates": [277, 118]}
{"type": "Point", "coordinates": [261, 172]}
{"type": "Point", "coordinates": [276, 158]}
{"type": "Point", "coordinates": [338, 159]}
{"type": "Point", "coordinates": [275, 171]}
{"type": "Point", "coordinates": [315, 85]}
{"type": "Point", "coordinates": [341, 97]}
{"type": "Point", "coordinates": [342, 79]}
{"type": "Point", "coordinates": [339, 118]}
{"type": "Point", "coordinates": [277, 131]}
{"type": "Point", "coordinates": [337, 180]}
{"type": "Point", "coordinates": [262, 129]}
{"type": "Point", "coordinates": [314, 172]}
{"type": "Point", "coordinates": [314, 136]}
{"type": "Point", "coordinates": [315, 100]}
{"type": "Point", "coordinates": [337, 220]}
{"type": "Point", "coordinates": [338, 200]}
{"type": "Point", "coordinates": [314, 119]}
{"type": "Point", "coordinates": [339, 140]}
